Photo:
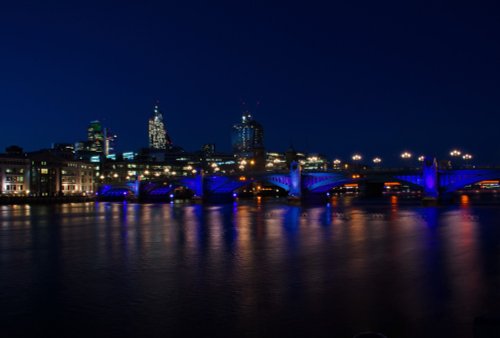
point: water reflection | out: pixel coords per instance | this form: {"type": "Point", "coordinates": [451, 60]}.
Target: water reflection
{"type": "Point", "coordinates": [180, 270]}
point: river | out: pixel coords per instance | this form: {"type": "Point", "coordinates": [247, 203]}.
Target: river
{"type": "Point", "coordinates": [247, 269]}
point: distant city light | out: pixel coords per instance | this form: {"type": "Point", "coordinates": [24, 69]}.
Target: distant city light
{"type": "Point", "coordinates": [455, 153]}
{"type": "Point", "coordinates": [377, 160]}
{"type": "Point", "coordinates": [467, 157]}
{"type": "Point", "coordinates": [406, 155]}
{"type": "Point", "coordinates": [356, 157]}
{"type": "Point", "coordinates": [421, 158]}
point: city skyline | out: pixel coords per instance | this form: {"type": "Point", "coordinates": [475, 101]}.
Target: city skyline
{"type": "Point", "coordinates": [420, 80]}
{"type": "Point", "coordinates": [247, 139]}
{"type": "Point", "coordinates": [159, 140]}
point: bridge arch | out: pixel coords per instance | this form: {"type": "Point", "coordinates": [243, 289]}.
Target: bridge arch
{"type": "Point", "coordinates": [121, 190]}
{"type": "Point", "coordinates": [282, 181]}
{"type": "Point", "coordinates": [323, 182]}
{"type": "Point", "coordinates": [452, 181]}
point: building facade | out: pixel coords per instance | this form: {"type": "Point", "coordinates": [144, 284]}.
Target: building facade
{"type": "Point", "coordinates": [158, 136]}
{"type": "Point", "coordinates": [95, 137]}
{"type": "Point", "coordinates": [248, 143]}
{"type": "Point", "coordinates": [14, 175]}
{"type": "Point", "coordinates": [247, 136]}
{"type": "Point", "coordinates": [276, 161]}
{"type": "Point", "coordinates": [100, 141]}
{"type": "Point", "coordinates": [51, 175]}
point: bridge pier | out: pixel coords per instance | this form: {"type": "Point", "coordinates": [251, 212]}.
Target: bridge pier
{"type": "Point", "coordinates": [137, 188]}
{"type": "Point", "coordinates": [430, 182]}
{"type": "Point", "coordinates": [295, 192]}
{"type": "Point", "coordinates": [199, 185]}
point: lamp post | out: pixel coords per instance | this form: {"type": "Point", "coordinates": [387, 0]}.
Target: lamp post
{"type": "Point", "coordinates": [455, 154]}
{"type": "Point", "coordinates": [467, 158]}
{"type": "Point", "coordinates": [406, 156]}
{"type": "Point", "coordinates": [356, 158]}
{"type": "Point", "coordinates": [421, 160]}
{"type": "Point", "coordinates": [377, 161]}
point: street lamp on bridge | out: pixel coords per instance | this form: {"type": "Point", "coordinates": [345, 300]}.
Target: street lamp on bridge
{"type": "Point", "coordinates": [406, 155]}
{"type": "Point", "coordinates": [357, 157]}
{"type": "Point", "coordinates": [376, 161]}
{"type": "Point", "coordinates": [455, 154]}
{"type": "Point", "coordinates": [421, 160]}
{"type": "Point", "coordinates": [467, 158]}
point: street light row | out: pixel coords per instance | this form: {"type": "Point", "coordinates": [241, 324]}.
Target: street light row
{"type": "Point", "coordinates": [457, 153]}
{"type": "Point", "coordinates": [406, 155]}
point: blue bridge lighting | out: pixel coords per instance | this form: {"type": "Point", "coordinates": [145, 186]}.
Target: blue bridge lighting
{"type": "Point", "coordinates": [434, 182]}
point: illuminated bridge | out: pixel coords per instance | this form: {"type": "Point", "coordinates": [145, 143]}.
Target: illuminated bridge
{"type": "Point", "coordinates": [433, 182]}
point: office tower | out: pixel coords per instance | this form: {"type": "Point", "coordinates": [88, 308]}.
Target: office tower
{"type": "Point", "coordinates": [247, 136]}
{"type": "Point", "coordinates": [158, 137]}
{"type": "Point", "coordinates": [100, 139]}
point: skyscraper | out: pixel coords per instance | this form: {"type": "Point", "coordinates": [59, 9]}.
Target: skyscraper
{"type": "Point", "coordinates": [100, 139]}
{"type": "Point", "coordinates": [95, 136]}
{"type": "Point", "coordinates": [248, 136]}
{"type": "Point", "coordinates": [158, 136]}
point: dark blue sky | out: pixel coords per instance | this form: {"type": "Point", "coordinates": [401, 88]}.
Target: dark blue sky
{"type": "Point", "coordinates": [373, 77]}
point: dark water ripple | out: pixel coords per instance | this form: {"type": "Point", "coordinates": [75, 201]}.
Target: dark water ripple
{"type": "Point", "coordinates": [246, 270]}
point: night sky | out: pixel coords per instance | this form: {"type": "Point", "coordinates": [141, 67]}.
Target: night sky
{"type": "Point", "coordinates": [370, 77]}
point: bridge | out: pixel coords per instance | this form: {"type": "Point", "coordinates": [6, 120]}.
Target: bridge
{"type": "Point", "coordinates": [435, 183]}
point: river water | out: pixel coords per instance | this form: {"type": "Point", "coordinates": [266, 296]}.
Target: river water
{"type": "Point", "coordinates": [248, 269]}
